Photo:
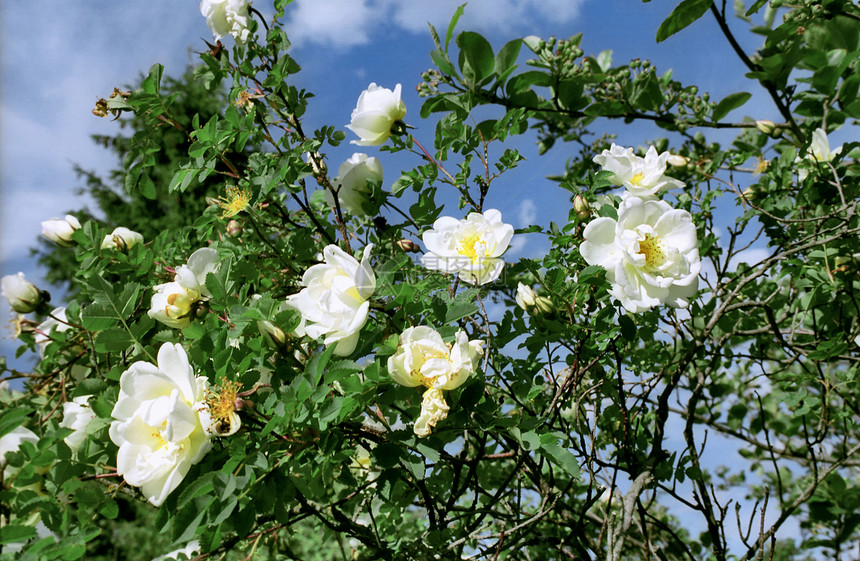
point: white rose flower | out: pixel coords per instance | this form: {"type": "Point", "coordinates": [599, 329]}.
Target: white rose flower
{"type": "Point", "coordinates": [651, 254]}
{"type": "Point", "coordinates": [227, 17]}
{"type": "Point", "coordinates": [56, 320]}
{"type": "Point", "coordinates": [433, 409]}
{"type": "Point", "coordinates": [11, 442]}
{"type": "Point", "coordinates": [77, 415]}
{"type": "Point", "coordinates": [355, 180]}
{"type": "Point", "coordinates": [60, 230]}
{"type": "Point", "coordinates": [173, 302]}
{"type": "Point", "coordinates": [190, 550]}
{"type": "Point", "coordinates": [424, 359]}
{"type": "Point", "coordinates": [122, 239]}
{"type": "Point", "coordinates": [21, 294]}
{"type": "Point", "coordinates": [819, 151]}
{"type": "Point", "coordinates": [375, 113]}
{"type": "Point", "coordinates": [471, 247]}
{"type": "Point", "coordinates": [157, 423]}
{"type": "Point", "coordinates": [334, 302]}
{"type": "Point", "coordinates": [525, 297]}
{"type": "Point", "coordinates": [643, 177]}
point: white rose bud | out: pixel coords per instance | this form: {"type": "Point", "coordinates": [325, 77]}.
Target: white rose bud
{"type": "Point", "coordinates": [765, 126]}
{"type": "Point", "coordinates": [525, 297]}
{"type": "Point", "coordinates": [581, 207]}
{"type": "Point", "coordinates": [122, 239]}
{"type": "Point", "coordinates": [377, 110]}
{"type": "Point", "coordinates": [355, 180]}
{"type": "Point", "coordinates": [22, 295]}
{"type": "Point", "coordinates": [273, 335]}
{"type": "Point", "coordinates": [677, 161]}
{"type": "Point", "coordinates": [60, 230]}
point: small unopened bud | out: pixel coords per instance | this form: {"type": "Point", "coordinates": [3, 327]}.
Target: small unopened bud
{"type": "Point", "coordinates": [544, 305]}
{"type": "Point", "coordinates": [22, 295]}
{"type": "Point", "coordinates": [234, 228]}
{"type": "Point", "coordinates": [765, 126]}
{"type": "Point", "coordinates": [408, 246]}
{"type": "Point", "coordinates": [581, 207]}
{"type": "Point", "coordinates": [525, 297]}
{"type": "Point", "coordinates": [273, 335]}
{"type": "Point", "coordinates": [318, 165]}
{"type": "Point", "coordinates": [677, 161]}
{"type": "Point", "coordinates": [750, 192]}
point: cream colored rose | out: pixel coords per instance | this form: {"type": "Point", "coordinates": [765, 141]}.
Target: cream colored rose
{"type": "Point", "coordinates": [174, 302]}
{"type": "Point", "coordinates": [424, 359]}
{"type": "Point", "coordinates": [334, 303]}
{"type": "Point", "coordinates": [60, 230]}
{"type": "Point", "coordinates": [376, 112]}
{"type": "Point", "coordinates": [122, 239]}
{"type": "Point", "coordinates": [651, 254]}
{"type": "Point", "coordinates": [642, 177]}
{"type": "Point", "coordinates": [525, 297]}
{"type": "Point", "coordinates": [227, 17]}
{"type": "Point", "coordinates": [157, 423]}
{"type": "Point", "coordinates": [471, 247]}
{"type": "Point", "coordinates": [77, 415]}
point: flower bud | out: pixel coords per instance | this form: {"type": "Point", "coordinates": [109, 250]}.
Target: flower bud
{"type": "Point", "coordinates": [273, 335]}
{"type": "Point", "coordinates": [408, 246]}
{"type": "Point", "coordinates": [60, 230]}
{"type": "Point", "coordinates": [677, 161]}
{"type": "Point", "coordinates": [234, 228]}
{"type": "Point", "coordinates": [22, 295]}
{"type": "Point", "coordinates": [121, 239]}
{"type": "Point", "coordinates": [581, 207]}
{"type": "Point", "coordinates": [544, 305]}
{"type": "Point", "coordinates": [525, 297]}
{"type": "Point", "coordinates": [765, 126]}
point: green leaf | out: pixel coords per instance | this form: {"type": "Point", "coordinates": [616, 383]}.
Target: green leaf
{"type": "Point", "coordinates": [755, 7]}
{"type": "Point", "coordinates": [16, 533]}
{"type": "Point", "coordinates": [476, 57]}
{"type": "Point", "coordinates": [453, 24]}
{"type": "Point", "coordinates": [506, 58]}
{"type": "Point", "coordinates": [731, 101]}
{"type": "Point", "coordinates": [12, 419]}
{"type": "Point", "coordinates": [113, 340]}
{"type": "Point", "coordinates": [97, 317]}
{"type": "Point", "coordinates": [683, 15]}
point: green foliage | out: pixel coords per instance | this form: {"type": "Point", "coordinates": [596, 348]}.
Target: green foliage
{"type": "Point", "coordinates": [584, 430]}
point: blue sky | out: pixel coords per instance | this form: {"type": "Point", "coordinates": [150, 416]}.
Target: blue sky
{"type": "Point", "coordinates": [58, 58]}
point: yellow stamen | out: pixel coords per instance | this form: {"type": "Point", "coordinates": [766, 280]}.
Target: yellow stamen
{"type": "Point", "coordinates": [652, 248]}
{"type": "Point", "coordinates": [636, 179]}
{"type": "Point", "coordinates": [467, 247]}
{"type": "Point", "coordinates": [237, 200]}
{"type": "Point", "coordinates": [222, 404]}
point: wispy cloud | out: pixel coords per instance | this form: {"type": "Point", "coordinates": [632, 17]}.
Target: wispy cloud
{"type": "Point", "coordinates": [347, 23]}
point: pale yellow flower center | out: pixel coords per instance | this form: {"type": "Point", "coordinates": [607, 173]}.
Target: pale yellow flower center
{"type": "Point", "coordinates": [416, 373]}
{"type": "Point", "coordinates": [652, 248]}
{"type": "Point", "coordinates": [637, 179]}
{"type": "Point", "coordinates": [222, 404]}
{"type": "Point", "coordinates": [467, 246]}
{"type": "Point", "coordinates": [237, 200]}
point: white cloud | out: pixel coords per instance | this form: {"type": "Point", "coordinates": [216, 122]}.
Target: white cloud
{"type": "Point", "coordinates": [340, 23]}
{"type": "Point", "coordinates": [346, 23]}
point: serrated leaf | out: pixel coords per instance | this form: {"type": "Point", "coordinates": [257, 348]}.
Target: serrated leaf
{"type": "Point", "coordinates": [97, 317]}
{"type": "Point", "coordinates": [12, 419]}
{"type": "Point", "coordinates": [683, 15]}
{"type": "Point", "coordinates": [728, 103]}
{"type": "Point", "coordinates": [16, 533]}
{"type": "Point", "coordinates": [475, 54]}
{"type": "Point", "coordinates": [112, 340]}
